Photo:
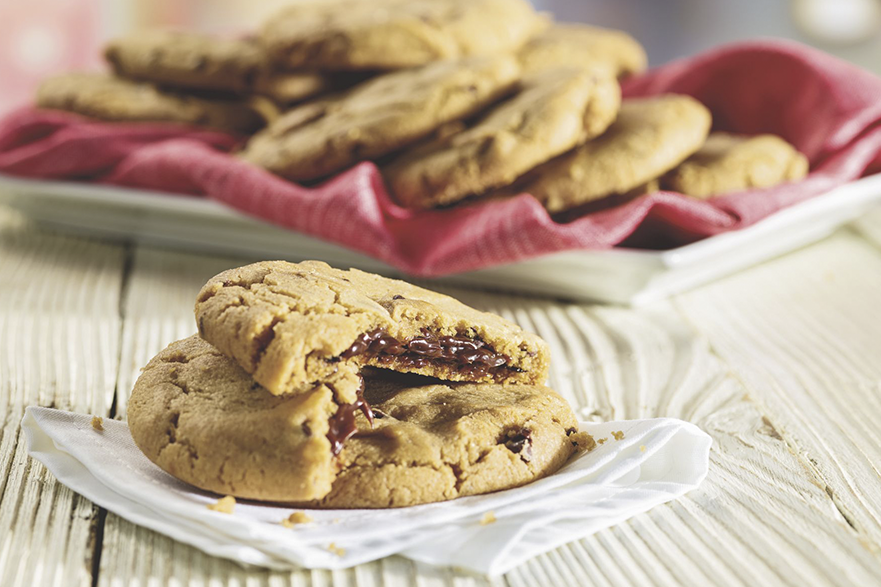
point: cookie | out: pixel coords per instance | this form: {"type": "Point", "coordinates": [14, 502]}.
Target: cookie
{"type": "Point", "coordinates": [118, 100]}
{"type": "Point", "coordinates": [730, 163]}
{"type": "Point", "coordinates": [434, 441]}
{"type": "Point", "coordinates": [292, 324]}
{"type": "Point", "coordinates": [393, 34]}
{"type": "Point", "coordinates": [188, 60]}
{"type": "Point", "coordinates": [197, 415]}
{"type": "Point", "coordinates": [552, 112]}
{"type": "Point", "coordinates": [650, 137]}
{"type": "Point", "coordinates": [204, 62]}
{"type": "Point", "coordinates": [579, 45]}
{"type": "Point", "coordinates": [378, 116]}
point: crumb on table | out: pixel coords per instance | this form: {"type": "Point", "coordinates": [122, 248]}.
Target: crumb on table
{"type": "Point", "coordinates": [224, 505]}
{"type": "Point", "coordinates": [296, 518]}
{"type": "Point", "coordinates": [98, 423]}
{"type": "Point", "coordinates": [332, 547]}
{"type": "Point", "coordinates": [583, 441]}
{"type": "Point", "coordinates": [619, 435]}
{"type": "Point", "coordinates": [488, 518]}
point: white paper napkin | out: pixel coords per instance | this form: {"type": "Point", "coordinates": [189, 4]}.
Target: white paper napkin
{"type": "Point", "coordinates": [655, 461]}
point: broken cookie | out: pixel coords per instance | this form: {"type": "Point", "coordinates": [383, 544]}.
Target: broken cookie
{"type": "Point", "coordinates": [292, 325]}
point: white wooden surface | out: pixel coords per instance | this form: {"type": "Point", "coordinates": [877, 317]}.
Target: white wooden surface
{"type": "Point", "coordinates": [781, 364]}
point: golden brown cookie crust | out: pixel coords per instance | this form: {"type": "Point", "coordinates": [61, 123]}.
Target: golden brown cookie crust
{"type": "Point", "coordinates": [115, 99]}
{"type": "Point", "coordinates": [552, 112]}
{"type": "Point", "coordinates": [188, 60]}
{"type": "Point", "coordinates": [378, 116]}
{"type": "Point", "coordinates": [729, 163]}
{"type": "Point", "coordinates": [393, 34]}
{"type": "Point", "coordinates": [649, 137]}
{"type": "Point", "coordinates": [435, 441]}
{"type": "Point", "coordinates": [580, 45]}
{"type": "Point", "coordinates": [292, 324]}
{"type": "Point", "coordinates": [197, 415]}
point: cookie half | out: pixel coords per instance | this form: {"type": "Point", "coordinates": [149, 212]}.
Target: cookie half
{"type": "Point", "coordinates": [118, 100]}
{"type": "Point", "coordinates": [393, 34]}
{"type": "Point", "coordinates": [197, 415]}
{"type": "Point", "coordinates": [729, 163]}
{"type": "Point", "coordinates": [650, 137]}
{"type": "Point", "coordinates": [579, 45]}
{"type": "Point", "coordinates": [293, 324]}
{"type": "Point", "coordinates": [378, 116]}
{"type": "Point", "coordinates": [552, 112]}
{"type": "Point", "coordinates": [433, 441]}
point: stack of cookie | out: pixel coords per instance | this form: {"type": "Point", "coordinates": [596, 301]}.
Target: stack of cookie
{"type": "Point", "coordinates": [342, 389]}
{"type": "Point", "coordinates": [456, 100]}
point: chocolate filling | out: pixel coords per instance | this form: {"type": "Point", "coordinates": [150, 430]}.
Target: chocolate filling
{"type": "Point", "coordinates": [468, 356]}
{"type": "Point", "coordinates": [342, 423]}
{"type": "Point", "coordinates": [520, 442]}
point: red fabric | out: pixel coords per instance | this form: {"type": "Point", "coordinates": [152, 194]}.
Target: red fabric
{"type": "Point", "coordinates": [828, 109]}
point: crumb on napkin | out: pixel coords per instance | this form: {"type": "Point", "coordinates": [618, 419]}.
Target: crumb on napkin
{"type": "Point", "coordinates": [296, 518]}
{"type": "Point", "coordinates": [619, 435]}
{"type": "Point", "coordinates": [332, 547]}
{"type": "Point", "coordinates": [642, 447]}
{"type": "Point", "coordinates": [602, 441]}
{"type": "Point", "coordinates": [98, 423]}
{"type": "Point", "coordinates": [224, 505]}
{"type": "Point", "coordinates": [583, 442]}
{"type": "Point", "coordinates": [488, 518]}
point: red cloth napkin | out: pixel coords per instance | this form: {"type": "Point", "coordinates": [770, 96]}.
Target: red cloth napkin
{"type": "Point", "coordinates": [829, 109]}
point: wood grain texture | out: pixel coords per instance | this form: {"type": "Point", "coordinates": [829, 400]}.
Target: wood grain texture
{"type": "Point", "coordinates": [59, 329]}
{"type": "Point", "coordinates": [778, 364]}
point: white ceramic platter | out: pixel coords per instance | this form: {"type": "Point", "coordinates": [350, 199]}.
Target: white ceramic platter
{"type": "Point", "coordinates": [625, 276]}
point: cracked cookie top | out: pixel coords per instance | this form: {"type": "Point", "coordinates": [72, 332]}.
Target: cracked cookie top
{"type": "Point", "coordinates": [393, 34]}
{"type": "Point", "coordinates": [580, 45]}
{"type": "Point", "coordinates": [378, 116]}
{"type": "Point", "coordinates": [291, 325]}
{"type": "Point", "coordinates": [434, 441]}
{"type": "Point", "coordinates": [201, 418]}
{"type": "Point", "coordinates": [551, 112]}
{"type": "Point", "coordinates": [115, 99]}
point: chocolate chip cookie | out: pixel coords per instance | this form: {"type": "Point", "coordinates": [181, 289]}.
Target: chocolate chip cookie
{"type": "Point", "coordinates": [729, 163]}
{"type": "Point", "coordinates": [433, 441]}
{"type": "Point", "coordinates": [204, 62]}
{"type": "Point", "coordinates": [552, 112]}
{"type": "Point", "coordinates": [197, 415]}
{"type": "Point", "coordinates": [392, 34]}
{"type": "Point", "coordinates": [378, 116]}
{"type": "Point", "coordinates": [291, 325]}
{"type": "Point", "coordinates": [650, 137]}
{"type": "Point", "coordinates": [580, 45]}
{"type": "Point", "coordinates": [118, 100]}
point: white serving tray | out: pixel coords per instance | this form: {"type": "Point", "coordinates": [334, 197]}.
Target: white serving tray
{"type": "Point", "coordinates": [625, 276]}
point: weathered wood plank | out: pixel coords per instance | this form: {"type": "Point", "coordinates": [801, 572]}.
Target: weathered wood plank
{"type": "Point", "coordinates": [802, 333]}
{"type": "Point", "coordinates": [59, 328]}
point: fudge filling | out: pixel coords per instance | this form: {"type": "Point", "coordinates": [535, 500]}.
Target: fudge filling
{"type": "Point", "coordinates": [342, 423]}
{"type": "Point", "coordinates": [466, 355]}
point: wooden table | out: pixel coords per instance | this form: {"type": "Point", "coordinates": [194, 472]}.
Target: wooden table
{"type": "Point", "coordinates": [781, 364]}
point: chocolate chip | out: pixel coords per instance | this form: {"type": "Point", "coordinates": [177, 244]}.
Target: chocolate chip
{"type": "Point", "coordinates": [570, 431]}
{"type": "Point", "coordinates": [520, 442]}
{"type": "Point", "coordinates": [397, 297]}
{"type": "Point", "coordinates": [306, 429]}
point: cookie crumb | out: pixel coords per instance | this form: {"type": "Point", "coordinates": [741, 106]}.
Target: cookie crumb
{"type": "Point", "coordinates": [488, 518]}
{"type": "Point", "coordinates": [224, 505]}
{"type": "Point", "coordinates": [642, 448]}
{"type": "Point", "coordinates": [619, 435]}
{"type": "Point", "coordinates": [332, 547]}
{"type": "Point", "coordinates": [296, 518]}
{"type": "Point", "coordinates": [98, 423]}
{"type": "Point", "coordinates": [602, 441]}
{"type": "Point", "coordinates": [582, 441]}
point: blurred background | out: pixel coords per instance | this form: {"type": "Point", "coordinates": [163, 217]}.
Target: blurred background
{"type": "Point", "coordinates": [40, 37]}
